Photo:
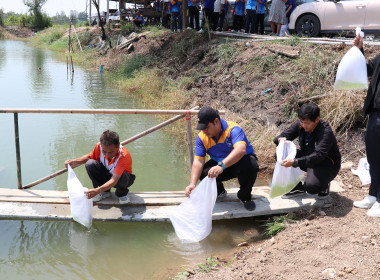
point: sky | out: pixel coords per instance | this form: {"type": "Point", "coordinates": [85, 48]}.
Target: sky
{"type": "Point", "coordinates": [51, 7]}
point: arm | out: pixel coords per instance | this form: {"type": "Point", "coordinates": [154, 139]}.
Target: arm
{"type": "Point", "coordinates": [196, 171]}
{"type": "Point", "coordinates": [78, 161]}
{"type": "Point", "coordinates": [358, 42]}
{"type": "Point", "coordinates": [288, 9]}
{"type": "Point", "coordinates": [290, 133]}
{"type": "Point", "coordinates": [105, 187]}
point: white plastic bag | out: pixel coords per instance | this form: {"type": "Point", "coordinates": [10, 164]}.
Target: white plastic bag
{"type": "Point", "coordinates": [285, 178]}
{"type": "Point", "coordinates": [192, 219]}
{"type": "Point", "coordinates": [352, 69]}
{"type": "Point", "coordinates": [284, 30]}
{"type": "Point", "coordinates": [80, 205]}
{"type": "Point", "coordinates": [363, 171]}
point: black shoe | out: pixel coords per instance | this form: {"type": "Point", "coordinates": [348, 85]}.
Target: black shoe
{"type": "Point", "coordinates": [325, 193]}
{"type": "Point", "coordinates": [249, 205]}
{"type": "Point", "coordinates": [297, 191]}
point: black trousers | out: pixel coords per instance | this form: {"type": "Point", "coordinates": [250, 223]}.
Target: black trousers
{"type": "Point", "coordinates": [319, 176]}
{"type": "Point", "coordinates": [259, 20]}
{"type": "Point", "coordinates": [100, 175]}
{"type": "Point", "coordinates": [215, 19]}
{"type": "Point", "coordinates": [250, 21]}
{"type": "Point", "coordinates": [194, 15]}
{"type": "Point", "coordinates": [238, 22]}
{"type": "Point", "coordinates": [372, 140]}
{"type": "Point", "coordinates": [207, 13]}
{"type": "Point", "coordinates": [245, 170]}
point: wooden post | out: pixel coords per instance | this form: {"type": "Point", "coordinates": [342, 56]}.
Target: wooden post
{"type": "Point", "coordinates": [70, 36]}
{"type": "Point", "coordinates": [72, 65]}
{"type": "Point", "coordinates": [67, 64]}
{"type": "Point", "coordinates": [185, 18]}
{"type": "Point", "coordinates": [18, 159]}
{"type": "Point", "coordinates": [189, 139]}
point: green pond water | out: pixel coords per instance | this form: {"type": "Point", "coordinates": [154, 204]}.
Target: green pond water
{"type": "Point", "coordinates": [33, 78]}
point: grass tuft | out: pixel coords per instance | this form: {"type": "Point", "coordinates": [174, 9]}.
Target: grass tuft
{"type": "Point", "coordinates": [277, 224]}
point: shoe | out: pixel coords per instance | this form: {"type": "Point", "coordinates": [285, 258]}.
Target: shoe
{"type": "Point", "coordinates": [366, 203]}
{"type": "Point", "coordinates": [124, 199]}
{"type": "Point", "coordinates": [272, 34]}
{"type": "Point", "coordinates": [325, 193]}
{"type": "Point", "coordinates": [101, 196]}
{"type": "Point", "coordinates": [374, 211]}
{"type": "Point", "coordinates": [200, 31]}
{"type": "Point", "coordinates": [296, 191]}
{"type": "Point", "coordinates": [249, 205]}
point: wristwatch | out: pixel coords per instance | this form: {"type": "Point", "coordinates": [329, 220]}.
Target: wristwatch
{"type": "Point", "coordinates": [220, 163]}
{"type": "Point", "coordinates": [295, 163]}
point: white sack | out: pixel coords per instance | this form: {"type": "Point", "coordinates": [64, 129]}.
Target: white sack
{"type": "Point", "coordinates": [192, 219]}
{"type": "Point", "coordinates": [352, 71]}
{"type": "Point", "coordinates": [285, 178]}
{"type": "Point", "coordinates": [284, 30]}
{"type": "Point", "coordinates": [80, 205]}
{"type": "Point", "coordinates": [363, 171]}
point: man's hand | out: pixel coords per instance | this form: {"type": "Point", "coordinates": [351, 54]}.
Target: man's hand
{"type": "Point", "coordinates": [92, 192]}
{"type": "Point", "coordinates": [215, 171]}
{"type": "Point", "coordinates": [72, 162]}
{"type": "Point", "coordinates": [358, 42]}
{"type": "Point", "coordinates": [287, 163]}
{"type": "Point", "coordinates": [189, 189]}
{"type": "Point", "coordinates": [281, 139]}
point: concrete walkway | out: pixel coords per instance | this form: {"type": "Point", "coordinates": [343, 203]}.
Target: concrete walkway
{"type": "Point", "coordinates": [145, 207]}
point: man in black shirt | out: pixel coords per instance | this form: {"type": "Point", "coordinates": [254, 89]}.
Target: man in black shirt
{"type": "Point", "coordinates": [372, 136]}
{"type": "Point", "coordinates": [319, 155]}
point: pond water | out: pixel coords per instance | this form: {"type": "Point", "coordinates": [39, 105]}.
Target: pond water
{"type": "Point", "coordinates": [33, 78]}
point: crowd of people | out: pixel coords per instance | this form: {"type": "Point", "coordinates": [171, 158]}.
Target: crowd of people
{"type": "Point", "coordinates": [248, 15]}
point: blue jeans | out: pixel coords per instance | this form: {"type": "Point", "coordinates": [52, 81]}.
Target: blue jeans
{"type": "Point", "coordinates": [177, 20]}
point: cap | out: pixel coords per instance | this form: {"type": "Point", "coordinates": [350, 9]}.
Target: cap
{"type": "Point", "coordinates": [205, 116]}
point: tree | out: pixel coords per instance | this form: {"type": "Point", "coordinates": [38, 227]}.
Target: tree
{"type": "Point", "coordinates": [35, 7]}
{"type": "Point", "coordinates": [96, 4]}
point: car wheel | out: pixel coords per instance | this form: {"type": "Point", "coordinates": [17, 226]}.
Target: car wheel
{"type": "Point", "coordinates": [308, 25]}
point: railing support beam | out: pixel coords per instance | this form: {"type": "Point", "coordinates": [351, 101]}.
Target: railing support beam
{"type": "Point", "coordinates": [18, 159]}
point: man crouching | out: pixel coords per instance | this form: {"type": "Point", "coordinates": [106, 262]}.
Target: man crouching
{"type": "Point", "coordinates": [108, 165]}
{"type": "Point", "coordinates": [319, 155]}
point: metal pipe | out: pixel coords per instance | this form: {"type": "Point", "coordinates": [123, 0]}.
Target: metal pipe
{"type": "Point", "coordinates": [189, 139]}
{"type": "Point", "coordinates": [152, 129]}
{"type": "Point", "coordinates": [18, 159]}
{"type": "Point", "coordinates": [102, 111]}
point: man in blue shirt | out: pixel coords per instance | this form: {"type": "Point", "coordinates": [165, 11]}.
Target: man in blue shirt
{"type": "Point", "coordinates": [232, 156]}
{"type": "Point", "coordinates": [194, 13]}
{"type": "Point", "coordinates": [262, 7]}
{"type": "Point", "coordinates": [239, 15]}
{"type": "Point", "coordinates": [175, 11]}
{"type": "Point", "coordinates": [250, 18]}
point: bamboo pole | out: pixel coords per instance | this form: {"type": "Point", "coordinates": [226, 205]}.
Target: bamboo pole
{"type": "Point", "coordinates": [72, 65]}
{"type": "Point", "coordinates": [18, 159]}
{"type": "Point", "coordinates": [76, 35]}
{"type": "Point", "coordinates": [146, 132]}
{"type": "Point", "coordinates": [103, 111]}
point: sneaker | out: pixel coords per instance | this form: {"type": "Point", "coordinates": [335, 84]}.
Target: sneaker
{"type": "Point", "coordinates": [325, 193]}
{"type": "Point", "coordinates": [249, 205]}
{"type": "Point", "coordinates": [366, 203]}
{"type": "Point", "coordinates": [374, 211]}
{"type": "Point", "coordinates": [124, 199]}
{"type": "Point", "coordinates": [200, 31]}
{"type": "Point", "coordinates": [297, 191]}
{"type": "Point", "coordinates": [272, 34]}
{"type": "Point", "coordinates": [101, 196]}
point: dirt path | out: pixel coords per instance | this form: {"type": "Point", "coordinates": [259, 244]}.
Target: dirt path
{"type": "Point", "coordinates": [339, 242]}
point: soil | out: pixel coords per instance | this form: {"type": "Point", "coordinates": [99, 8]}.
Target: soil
{"type": "Point", "coordinates": [338, 242]}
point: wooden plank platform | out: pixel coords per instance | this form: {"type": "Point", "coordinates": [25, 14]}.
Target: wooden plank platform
{"type": "Point", "coordinates": [144, 206]}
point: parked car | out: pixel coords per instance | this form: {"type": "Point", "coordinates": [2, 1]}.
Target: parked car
{"type": "Point", "coordinates": [335, 16]}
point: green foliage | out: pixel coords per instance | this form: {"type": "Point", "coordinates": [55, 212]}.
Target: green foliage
{"type": "Point", "coordinates": [155, 30]}
{"type": "Point", "coordinates": [1, 17]}
{"type": "Point", "coordinates": [181, 275]}
{"type": "Point", "coordinates": [210, 263]}
{"type": "Point", "coordinates": [11, 20]}
{"type": "Point", "coordinates": [225, 53]}
{"type": "Point", "coordinates": [135, 63]}
{"type": "Point", "coordinates": [127, 28]}
{"type": "Point", "coordinates": [278, 224]}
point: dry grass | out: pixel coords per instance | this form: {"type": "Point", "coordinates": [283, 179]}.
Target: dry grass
{"type": "Point", "coordinates": [343, 110]}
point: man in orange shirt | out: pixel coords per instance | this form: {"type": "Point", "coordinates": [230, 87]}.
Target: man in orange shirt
{"type": "Point", "coordinates": [108, 165]}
